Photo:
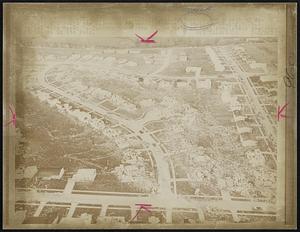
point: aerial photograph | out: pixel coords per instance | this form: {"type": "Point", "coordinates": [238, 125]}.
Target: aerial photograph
{"type": "Point", "coordinates": [144, 129]}
{"type": "Point", "coordinates": [182, 126]}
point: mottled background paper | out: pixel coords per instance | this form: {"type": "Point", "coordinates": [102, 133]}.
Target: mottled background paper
{"type": "Point", "coordinates": [54, 48]}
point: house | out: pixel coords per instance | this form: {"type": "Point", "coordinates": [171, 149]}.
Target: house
{"type": "Point", "coordinates": [30, 172]}
{"type": "Point", "coordinates": [226, 96]}
{"type": "Point", "coordinates": [176, 128]}
{"type": "Point", "coordinates": [111, 133]}
{"type": "Point", "coordinates": [147, 102]}
{"type": "Point", "coordinates": [265, 78]}
{"type": "Point", "coordinates": [84, 219]}
{"type": "Point", "coordinates": [165, 84]}
{"type": "Point", "coordinates": [249, 143]}
{"type": "Point", "coordinates": [109, 59]}
{"type": "Point", "coordinates": [253, 40]}
{"type": "Point", "coordinates": [19, 216]}
{"type": "Point", "coordinates": [201, 159]}
{"type": "Point", "coordinates": [134, 51]}
{"type": "Point", "coordinates": [122, 142]}
{"type": "Point", "coordinates": [128, 106]}
{"type": "Point", "coordinates": [244, 130]}
{"type": "Point", "coordinates": [131, 64]}
{"type": "Point", "coordinates": [74, 57]}
{"type": "Point", "coordinates": [241, 49]}
{"type": "Point", "coordinates": [108, 51]}
{"type": "Point", "coordinates": [215, 59]}
{"type": "Point", "coordinates": [122, 51]}
{"type": "Point", "coordinates": [148, 61]}
{"type": "Point", "coordinates": [85, 175]}
{"type": "Point", "coordinates": [183, 58]}
{"type": "Point", "coordinates": [97, 58]}
{"type": "Point", "coordinates": [42, 96]}
{"type": "Point", "coordinates": [261, 66]}
{"type": "Point", "coordinates": [51, 173]}
{"type": "Point", "coordinates": [86, 58]}
{"type": "Point", "coordinates": [181, 84]}
{"type": "Point", "coordinates": [239, 118]}
{"type": "Point", "coordinates": [204, 84]}
{"type": "Point", "coordinates": [168, 101]}
{"type": "Point", "coordinates": [197, 70]}
{"type": "Point", "coordinates": [40, 220]}
{"type": "Point", "coordinates": [19, 173]}
{"type": "Point", "coordinates": [256, 158]}
{"type": "Point", "coordinates": [235, 107]}
{"type": "Point", "coordinates": [110, 219]}
{"type": "Point", "coordinates": [234, 104]}
{"type": "Point", "coordinates": [122, 61]}
{"type": "Point", "coordinates": [53, 102]}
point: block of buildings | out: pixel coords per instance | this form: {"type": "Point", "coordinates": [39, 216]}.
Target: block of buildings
{"type": "Point", "coordinates": [110, 219]}
{"type": "Point", "coordinates": [244, 130]}
{"type": "Point", "coordinates": [249, 143]}
{"type": "Point", "coordinates": [181, 84]}
{"type": "Point", "coordinates": [85, 175]}
{"type": "Point", "coordinates": [30, 172]}
{"type": "Point", "coordinates": [39, 220]}
{"type": "Point", "coordinates": [204, 84]}
{"type": "Point", "coordinates": [215, 59]}
{"type": "Point", "coordinates": [256, 158]}
{"type": "Point", "coordinates": [84, 219]}
{"type": "Point", "coordinates": [239, 118]}
{"type": "Point", "coordinates": [19, 216]}
{"type": "Point", "coordinates": [51, 173]}
{"type": "Point", "coordinates": [261, 66]}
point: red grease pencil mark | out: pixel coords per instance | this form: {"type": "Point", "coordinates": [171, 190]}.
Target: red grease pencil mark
{"type": "Point", "coordinates": [148, 40]}
{"type": "Point", "coordinates": [280, 115]}
{"type": "Point", "coordinates": [13, 119]}
{"type": "Point", "coordinates": [146, 207]}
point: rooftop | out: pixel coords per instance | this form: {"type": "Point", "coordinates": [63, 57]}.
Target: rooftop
{"type": "Point", "coordinates": [45, 172]}
{"type": "Point", "coordinates": [39, 220]}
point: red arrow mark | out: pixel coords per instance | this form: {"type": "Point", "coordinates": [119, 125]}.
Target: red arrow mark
{"type": "Point", "coordinates": [13, 119]}
{"type": "Point", "coordinates": [280, 115]}
{"type": "Point", "coordinates": [149, 38]}
{"type": "Point", "coordinates": [146, 207]}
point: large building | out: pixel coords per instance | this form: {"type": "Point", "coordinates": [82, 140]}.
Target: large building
{"type": "Point", "coordinates": [255, 157]}
{"type": "Point", "coordinates": [204, 84]}
{"type": "Point", "coordinates": [85, 175]}
{"type": "Point", "coordinates": [85, 219]}
{"type": "Point", "coordinates": [110, 219]}
{"type": "Point", "coordinates": [30, 172]}
{"type": "Point", "coordinates": [51, 173]}
{"type": "Point", "coordinates": [219, 67]}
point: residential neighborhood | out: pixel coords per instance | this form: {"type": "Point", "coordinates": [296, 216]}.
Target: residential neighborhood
{"type": "Point", "coordinates": [189, 130]}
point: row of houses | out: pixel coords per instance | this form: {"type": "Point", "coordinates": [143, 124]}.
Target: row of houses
{"type": "Point", "coordinates": [241, 118]}
{"type": "Point", "coordinates": [240, 52]}
{"type": "Point", "coordinates": [54, 173]}
{"type": "Point", "coordinates": [83, 219]}
{"type": "Point", "coordinates": [219, 67]}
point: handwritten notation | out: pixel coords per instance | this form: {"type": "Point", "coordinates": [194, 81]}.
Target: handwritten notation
{"type": "Point", "coordinates": [13, 120]}
{"type": "Point", "coordinates": [148, 39]}
{"type": "Point", "coordinates": [146, 207]}
{"type": "Point", "coordinates": [280, 110]}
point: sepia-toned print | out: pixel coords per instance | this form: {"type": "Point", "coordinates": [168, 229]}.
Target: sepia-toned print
{"type": "Point", "coordinates": [115, 123]}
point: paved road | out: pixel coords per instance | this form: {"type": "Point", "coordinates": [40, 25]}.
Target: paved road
{"type": "Point", "coordinates": [154, 200]}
